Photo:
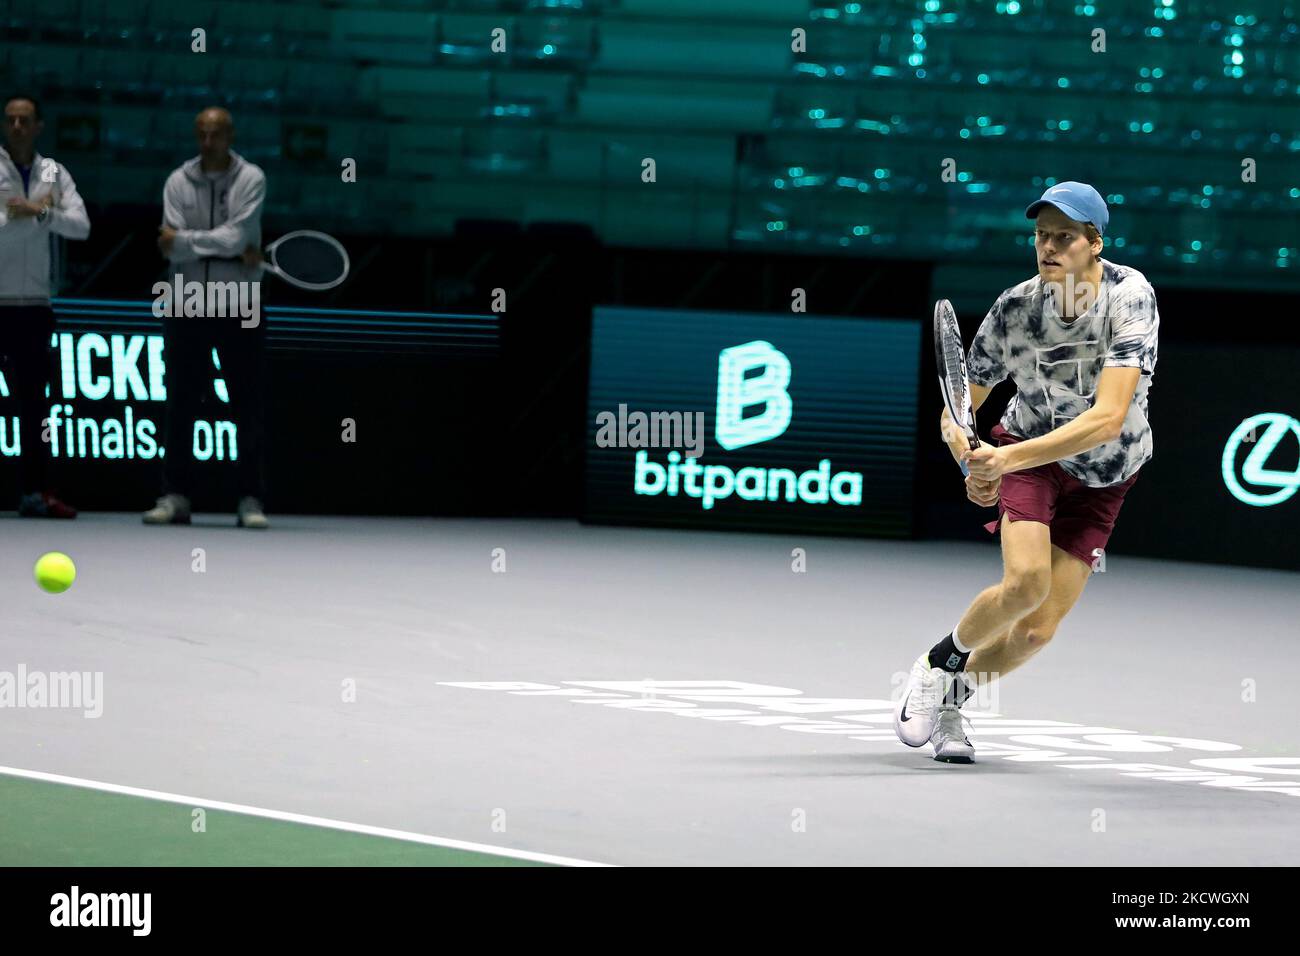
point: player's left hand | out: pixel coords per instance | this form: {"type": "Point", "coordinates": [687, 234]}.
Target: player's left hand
{"type": "Point", "coordinates": [987, 462]}
{"type": "Point", "coordinates": [983, 493]}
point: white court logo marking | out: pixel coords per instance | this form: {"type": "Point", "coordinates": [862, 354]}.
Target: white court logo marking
{"type": "Point", "coordinates": [870, 720]}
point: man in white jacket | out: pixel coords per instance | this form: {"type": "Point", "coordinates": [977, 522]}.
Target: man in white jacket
{"type": "Point", "coordinates": [212, 233]}
{"type": "Point", "coordinates": [38, 201]}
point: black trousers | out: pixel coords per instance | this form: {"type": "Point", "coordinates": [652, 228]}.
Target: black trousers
{"type": "Point", "coordinates": [25, 332]}
{"type": "Point", "coordinates": [191, 377]}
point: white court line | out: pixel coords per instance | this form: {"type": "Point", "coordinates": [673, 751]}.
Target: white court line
{"type": "Point", "coordinates": [310, 821]}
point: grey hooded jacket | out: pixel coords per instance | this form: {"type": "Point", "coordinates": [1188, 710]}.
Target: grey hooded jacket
{"type": "Point", "coordinates": [27, 247]}
{"type": "Point", "coordinates": [216, 218]}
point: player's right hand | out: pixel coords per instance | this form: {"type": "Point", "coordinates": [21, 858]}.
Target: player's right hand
{"type": "Point", "coordinates": [983, 493]}
{"type": "Point", "coordinates": [20, 208]}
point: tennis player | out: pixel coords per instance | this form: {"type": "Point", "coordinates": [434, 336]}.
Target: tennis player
{"type": "Point", "coordinates": [1079, 341]}
{"type": "Point", "coordinates": [38, 201]}
{"type": "Point", "coordinates": [211, 232]}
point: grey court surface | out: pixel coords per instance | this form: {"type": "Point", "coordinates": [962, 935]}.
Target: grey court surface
{"type": "Point", "coordinates": [631, 696]}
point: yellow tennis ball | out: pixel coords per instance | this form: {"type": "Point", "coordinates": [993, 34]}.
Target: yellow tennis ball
{"type": "Point", "coordinates": [55, 572]}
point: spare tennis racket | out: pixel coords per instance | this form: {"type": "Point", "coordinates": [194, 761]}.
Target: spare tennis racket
{"type": "Point", "coordinates": [950, 358]}
{"type": "Point", "coordinates": [307, 259]}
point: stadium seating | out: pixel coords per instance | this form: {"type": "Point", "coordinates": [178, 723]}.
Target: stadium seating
{"type": "Point", "coordinates": [839, 146]}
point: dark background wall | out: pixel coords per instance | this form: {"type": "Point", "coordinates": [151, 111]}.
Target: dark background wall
{"type": "Point", "coordinates": [776, 169]}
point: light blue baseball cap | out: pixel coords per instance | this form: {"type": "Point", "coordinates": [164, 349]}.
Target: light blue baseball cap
{"type": "Point", "coordinates": [1079, 201]}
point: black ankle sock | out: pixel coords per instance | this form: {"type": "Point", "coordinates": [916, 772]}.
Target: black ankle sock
{"type": "Point", "coordinates": [946, 656]}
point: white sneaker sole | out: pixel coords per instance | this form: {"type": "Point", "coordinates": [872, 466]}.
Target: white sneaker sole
{"type": "Point", "coordinates": [955, 754]}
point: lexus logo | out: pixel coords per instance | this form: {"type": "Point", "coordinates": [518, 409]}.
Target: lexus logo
{"type": "Point", "coordinates": [1276, 426]}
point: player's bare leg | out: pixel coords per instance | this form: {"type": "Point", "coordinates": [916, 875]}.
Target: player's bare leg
{"type": "Point", "coordinates": [1026, 582]}
{"type": "Point", "coordinates": [1029, 635]}
{"type": "Point", "coordinates": [940, 681]}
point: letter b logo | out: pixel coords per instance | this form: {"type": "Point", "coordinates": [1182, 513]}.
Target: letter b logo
{"type": "Point", "coordinates": [736, 392]}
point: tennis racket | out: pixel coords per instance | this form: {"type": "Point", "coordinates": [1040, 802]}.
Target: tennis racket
{"type": "Point", "coordinates": [308, 259]}
{"type": "Point", "coordinates": [950, 359]}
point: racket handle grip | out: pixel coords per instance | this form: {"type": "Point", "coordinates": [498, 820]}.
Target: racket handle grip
{"type": "Point", "coordinates": [974, 443]}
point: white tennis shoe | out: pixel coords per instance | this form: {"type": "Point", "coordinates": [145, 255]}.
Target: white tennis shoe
{"type": "Point", "coordinates": [918, 709]}
{"type": "Point", "coordinates": [951, 745]}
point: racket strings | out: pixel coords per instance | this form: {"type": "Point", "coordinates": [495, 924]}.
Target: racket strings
{"type": "Point", "coordinates": [309, 259]}
{"type": "Point", "coordinates": [955, 370]}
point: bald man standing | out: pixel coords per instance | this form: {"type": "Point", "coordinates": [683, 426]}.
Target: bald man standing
{"type": "Point", "coordinates": [212, 232]}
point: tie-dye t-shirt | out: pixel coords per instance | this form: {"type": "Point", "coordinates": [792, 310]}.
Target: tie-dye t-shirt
{"type": "Point", "coordinates": [1055, 365]}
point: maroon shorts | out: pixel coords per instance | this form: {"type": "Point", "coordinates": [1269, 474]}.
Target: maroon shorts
{"type": "Point", "coordinates": [1080, 517]}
